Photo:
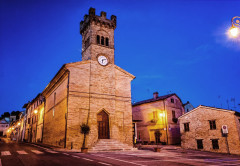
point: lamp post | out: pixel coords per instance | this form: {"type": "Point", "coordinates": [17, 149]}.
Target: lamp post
{"type": "Point", "coordinates": [234, 31]}
{"type": "Point", "coordinates": [36, 121]}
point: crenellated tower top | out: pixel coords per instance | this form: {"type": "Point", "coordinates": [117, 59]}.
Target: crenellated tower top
{"type": "Point", "coordinates": [98, 36]}
{"type": "Point", "coordinates": [102, 20]}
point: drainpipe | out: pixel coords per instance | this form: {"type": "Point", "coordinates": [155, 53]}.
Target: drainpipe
{"type": "Point", "coordinates": [44, 107]}
{"type": "Point", "coordinates": [66, 114]}
{"type": "Point", "coordinates": [166, 120]}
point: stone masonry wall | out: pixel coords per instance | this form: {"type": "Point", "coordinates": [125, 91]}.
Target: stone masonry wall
{"type": "Point", "coordinates": [198, 120]}
{"type": "Point", "coordinates": [54, 118]}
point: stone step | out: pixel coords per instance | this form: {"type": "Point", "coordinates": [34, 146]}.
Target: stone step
{"type": "Point", "coordinates": [110, 145]}
{"type": "Point", "coordinates": [100, 150]}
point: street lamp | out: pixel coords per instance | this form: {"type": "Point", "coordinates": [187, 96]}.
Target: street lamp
{"type": "Point", "coordinates": [234, 31]}
{"type": "Point", "coordinates": [35, 111]}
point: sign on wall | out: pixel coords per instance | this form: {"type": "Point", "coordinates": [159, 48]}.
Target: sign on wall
{"type": "Point", "coordinates": [224, 129]}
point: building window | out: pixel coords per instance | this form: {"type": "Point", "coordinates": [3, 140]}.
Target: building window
{"type": "Point", "coordinates": [155, 116]}
{"type": "Point", "coordinates": [107, 42]}
{"type": "Point", "coordinates": [199, 143]}
{"type": "Point", "coordinates": [187, 110]}
{"type": "Point", "coordinates": [98, 39]}
{"type": "Point", "coordinates": [172, 100]}
{"type": "Point", "coordinates": [102, 40]}
{"type": "Point", "coordinates": [215, 144]}
{"type": "Point", "coordinates": [173, 114]}
{"type": "Point", "coordinates": [186, 127]}
{"type": "Point", "coordinates": [212, 124]}
{"type": "Point", "coordinates": [174, 119]}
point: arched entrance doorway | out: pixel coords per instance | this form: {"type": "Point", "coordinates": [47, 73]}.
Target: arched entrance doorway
{"type": "Point", "coordinates": [103, 125]}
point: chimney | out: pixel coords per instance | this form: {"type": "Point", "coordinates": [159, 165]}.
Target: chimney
{"type": "Point", "coordinates": [155, 95]}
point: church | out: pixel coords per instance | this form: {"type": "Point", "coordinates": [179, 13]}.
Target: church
{"type": "Point", "coordinates": [93, 91]}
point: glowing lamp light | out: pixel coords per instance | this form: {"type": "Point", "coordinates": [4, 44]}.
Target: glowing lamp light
{"type": "Point", "coordinates": [234, 32]}
{"type": "Point", "coordinates": [35, 111]}
{"type": "Point", "coordinates": [161, 114]}
{"type": "Point", "coordinates": [19, 123]}
{"type": "Point", "coordinates": [12, 128]}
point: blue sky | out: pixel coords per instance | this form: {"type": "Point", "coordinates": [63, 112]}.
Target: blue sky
{"type": "Point", "coordinates": [170, 46]}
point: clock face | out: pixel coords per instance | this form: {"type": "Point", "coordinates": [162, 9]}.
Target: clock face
{"type": "Point", "coordinates": [102, 60]}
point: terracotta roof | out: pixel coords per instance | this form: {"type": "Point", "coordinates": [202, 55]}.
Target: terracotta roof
{"type": "Point", "coordinates": [152, 100]}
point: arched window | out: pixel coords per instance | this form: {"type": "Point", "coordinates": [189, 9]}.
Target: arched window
{"type": "Point", "coordinates": [107, 42]}
{"type": "Point", "coordinates": [98, 39]}
{"type": "Point", "coordinates": [102, 40]}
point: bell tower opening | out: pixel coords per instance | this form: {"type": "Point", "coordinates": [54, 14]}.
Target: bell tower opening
{"type": "Point", "coordinates": [97, 36]}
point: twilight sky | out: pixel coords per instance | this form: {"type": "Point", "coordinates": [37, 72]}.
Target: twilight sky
{"type": "Point", "coordinates": [170, 46]}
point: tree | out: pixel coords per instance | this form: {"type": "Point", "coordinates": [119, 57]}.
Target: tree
{"type": "Point", "coordinates": [85, 129]}
{"type": "Point", "coordinates": [15, 113]}
{"type": "Point", "coordinates": [4, 115]}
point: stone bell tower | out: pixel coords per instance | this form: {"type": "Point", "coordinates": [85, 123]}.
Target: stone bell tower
{"type": "Point", "coordinates": [97, 36]}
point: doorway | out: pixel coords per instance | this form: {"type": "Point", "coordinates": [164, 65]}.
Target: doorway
{"type": "Point", "coordinates": [103, 125]}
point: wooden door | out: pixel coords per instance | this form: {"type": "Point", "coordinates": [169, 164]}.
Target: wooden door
{"type": "Point", "coordinates": [103, 125]}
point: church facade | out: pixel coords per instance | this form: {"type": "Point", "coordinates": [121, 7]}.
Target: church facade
{"type": "Point", "coordinates": [93, 91]}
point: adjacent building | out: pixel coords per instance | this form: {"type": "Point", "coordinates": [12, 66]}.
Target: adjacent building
{"type": "Point", "coordinates": [158, 115]}
{"type": "Point", "coordinates": [188, 106]}
{"type": "Point", "coordinates": [203, 128]}
{"type": "Point", "coordinates": [3, 127]}
{"type": "Point", "coordinates": [33, 120]}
